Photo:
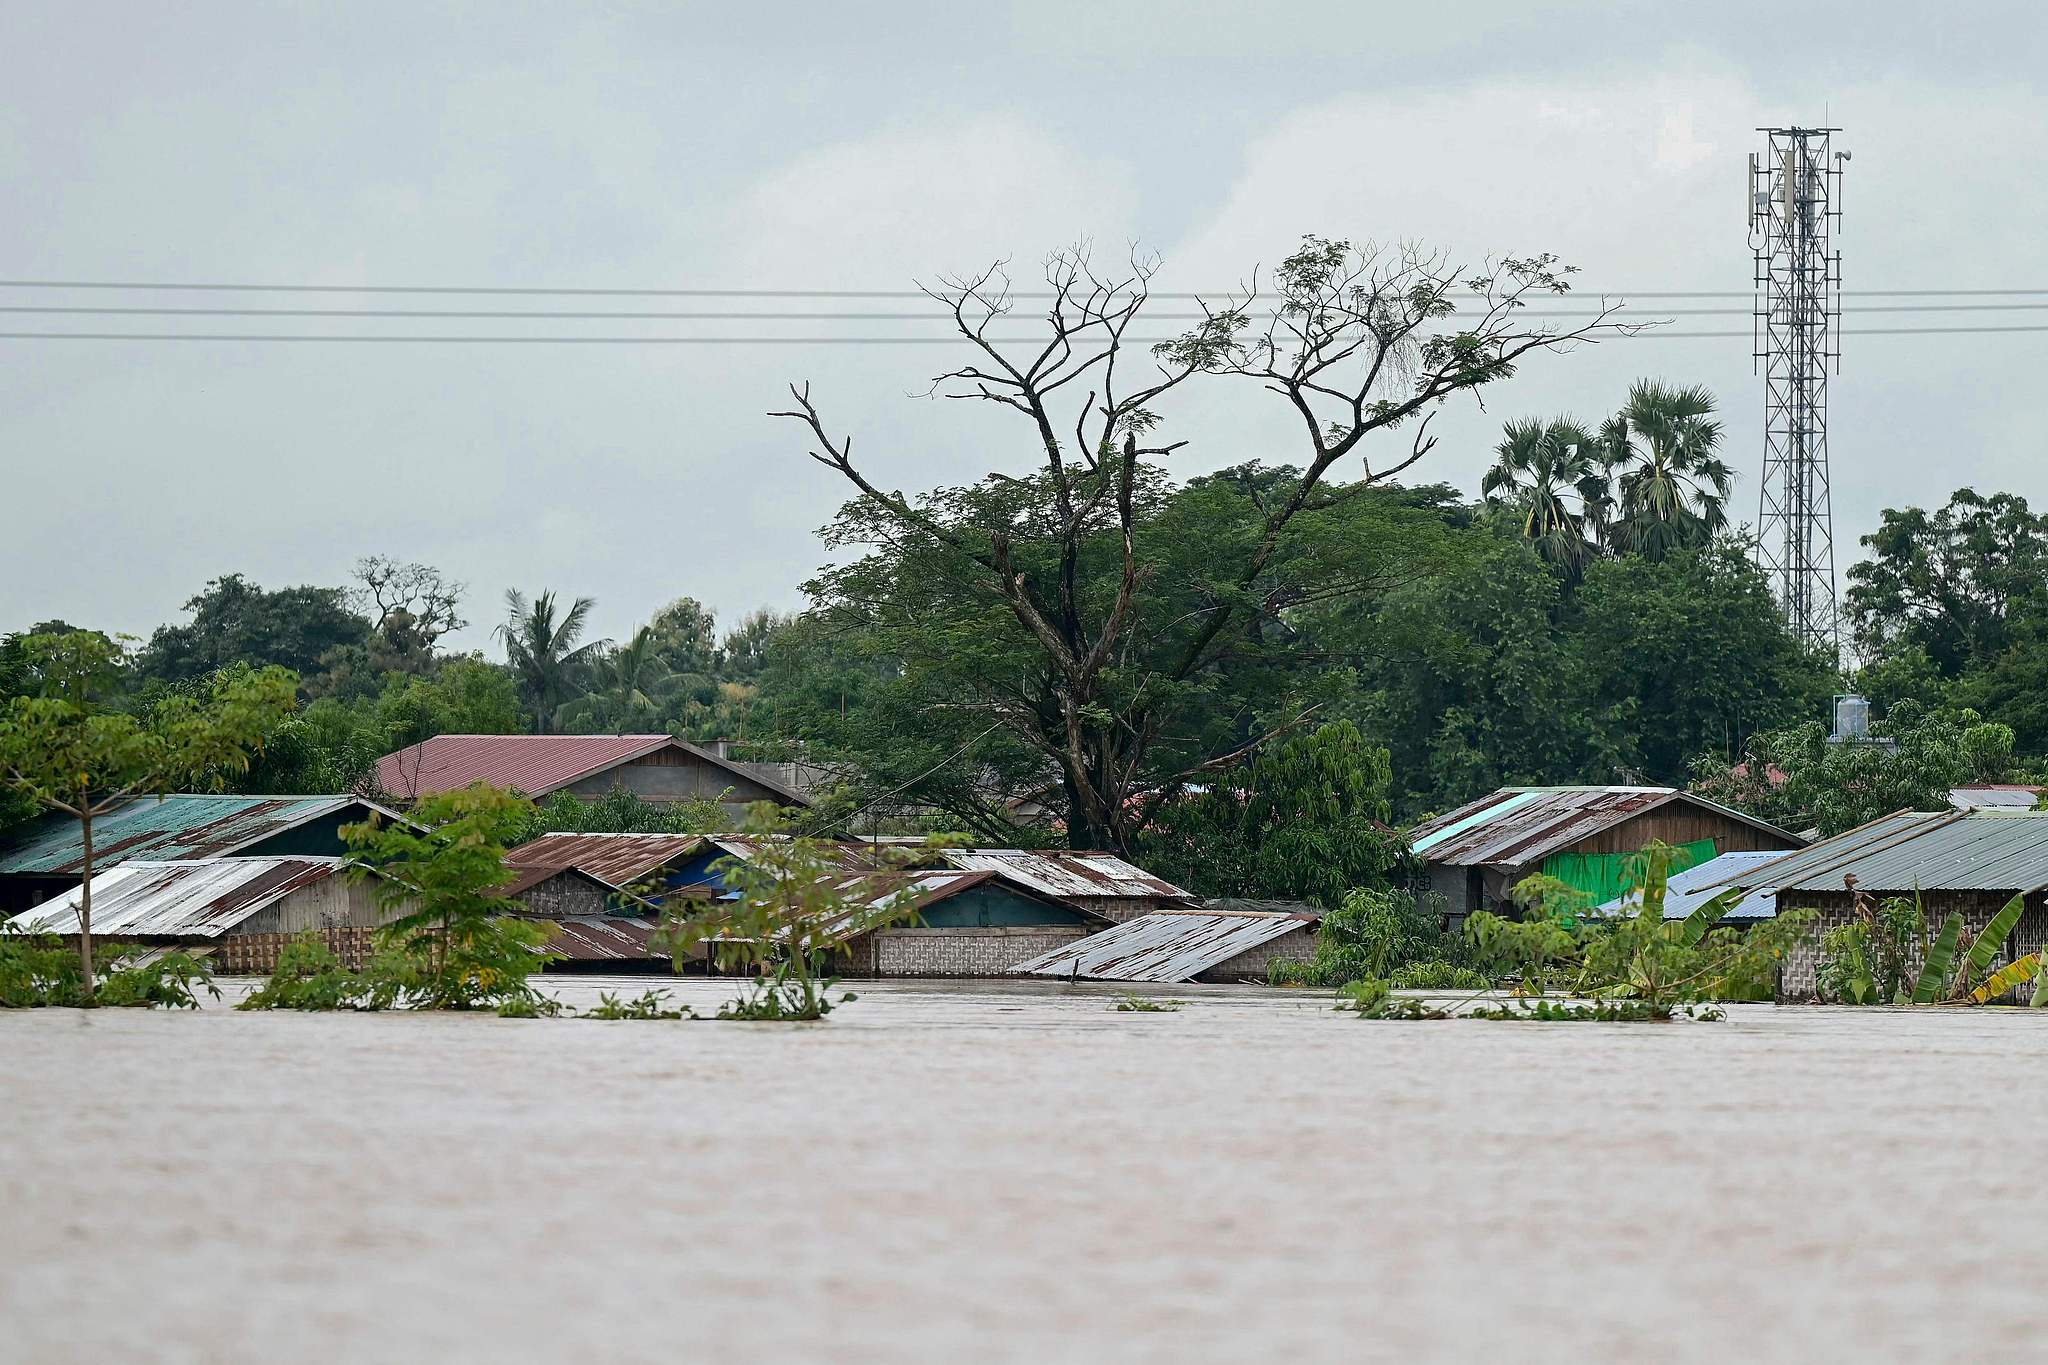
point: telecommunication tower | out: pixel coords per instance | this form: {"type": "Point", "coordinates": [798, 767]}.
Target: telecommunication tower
{"type": "Point", "coordinates": [1795, 205]}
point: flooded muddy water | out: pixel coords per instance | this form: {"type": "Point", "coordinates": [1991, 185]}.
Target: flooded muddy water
{"type": "Point", "coordinates": [1018, 1173]}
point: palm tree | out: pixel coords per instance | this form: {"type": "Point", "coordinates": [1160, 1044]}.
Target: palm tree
{"type": "Point", "coordinates": [629, 678]}
{"type": "Point", "coordinates": [543, 651]}
{"type": "Point", "coordinates": [1554, 476]}
{"type": "Point", "coordinates": [1673, 487]}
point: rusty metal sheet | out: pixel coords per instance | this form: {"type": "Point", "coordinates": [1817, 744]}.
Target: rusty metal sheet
{"type": "Point", "coordinates": [200, 898]}
{"type": "Point", "coordinates": [1169, 946]}
{"type": "Point", "coordinates": [180, 827]}
{"type": "Point", "coordinates": [1516, 826]}
{"type": "Point", "coordinates": [601, 938]}
{"type": "Point", "coordinates": [617, 860]}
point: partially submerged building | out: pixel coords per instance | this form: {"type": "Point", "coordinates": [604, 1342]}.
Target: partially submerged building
{"type": "Point", "coordinates": [1583, 836]}
{"type": "Point", "coordinates": [1219, 941]}
{"type": "Point", "coordinates": [959, 924]}
{"type": "Point", "coordinates": [47, 857]}
{"type": "Point", "coordinates": [1969, 862]}
{"type": "Point", "coordinates": [239, 911]}
{"type": "Point", "coordinates": [655, 768]}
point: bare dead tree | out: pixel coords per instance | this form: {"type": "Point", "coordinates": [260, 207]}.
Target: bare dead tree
{"type": "Point", "coordinates": [1355, 340]}
{"type": "Point", "coordinates": [414, 604]}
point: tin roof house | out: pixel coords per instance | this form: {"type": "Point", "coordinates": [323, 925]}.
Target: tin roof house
{"type": "Point", "coordinates": [1473, 856]}
{"type": "Point", "coordinates": [1969, 862]}
{"type": "Point", "coordinates": [655, 768]}
{"type": "Point", "coordinates": [238, 910]}
{"type": "Point", "coordinates": [45, 857]}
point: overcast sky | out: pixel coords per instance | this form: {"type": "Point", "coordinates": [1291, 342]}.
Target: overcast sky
{"type": "Point", "coordinates": [842, 146]}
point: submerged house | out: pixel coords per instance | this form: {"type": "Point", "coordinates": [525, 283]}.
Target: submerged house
{"type": "Point", "coordinates": [1583, 836]}
{"type": "Point", "coordinates": [961, 924]}
{"type": "Point", "coordinates": [976, 912]}
{"type": "Point", "coordinates": [656, 768]}
{"type": "Point", "coordinates": [1969, 862]}
{"type": "Point", "coordinates": [238, 911]}
{"type": "Point", "coordinates": [47, 856]}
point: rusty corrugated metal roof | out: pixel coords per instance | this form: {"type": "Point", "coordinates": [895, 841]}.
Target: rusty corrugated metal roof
{"type": "Point", "coordinates": [195, 898]}
{"type": "Point", "coordinates": [1167, 946]}
{"type": "Point", "coordinates": [1516, 826]}
{"type": "Point", "coordinates": [601, 938]}
{"type": "Point", "coordinates": [535, 764]}
{"type": "Point", "coordinates": [614, 859]}
{"type": "Point", "coordinates": [182, 827]}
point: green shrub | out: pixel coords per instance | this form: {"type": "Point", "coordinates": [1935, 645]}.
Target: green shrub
{"type": "Point", "coordinates": [646, 1005]}
{"type": "Point", "coordinates": [1372, 935]}
{"type": "Point", "coordinates": [40, 970]}
{"type": "Point", "coordinates": [1438, 976]}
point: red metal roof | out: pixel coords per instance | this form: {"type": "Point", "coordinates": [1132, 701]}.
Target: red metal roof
{"type": "Point", "coordinates": [615, 859]}
{"type": "Point", "coordinates": [534, 764]}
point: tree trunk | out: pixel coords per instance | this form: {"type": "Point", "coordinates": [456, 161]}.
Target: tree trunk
{"type": "Point", "coordinates": [85, 901]}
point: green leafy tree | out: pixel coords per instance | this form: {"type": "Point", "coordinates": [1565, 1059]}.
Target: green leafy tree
{"type": "Point", "coordinates": [793, 905]}
{"type": "Point", "coordinates": [1690, 655]}
{"type": "Point", "coordinates": [1798, 778]}
{"type": "Point", "coordinates": [66, 753]}
{"type": "Point", "coordinates": [1956, 583]}
{"type": "Point", "coordinates": [1672, 487]}
{"type": "Point", "coordinates": [1552, 477]}
{"type": "Point", "coordinates": [541, 643]}
{"type": "Point", "coordinates": [1305, 821]}
{"type": "Point", "coordinates": [1049, 575]}
{"type": "Point", "coordinates": [450, 944]}
{"type": "Point", "coordinates": [234, 621]}
{"type": "Point", "coordinates": [629, 687]}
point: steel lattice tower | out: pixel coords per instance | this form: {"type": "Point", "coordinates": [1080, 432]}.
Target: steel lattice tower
{"type": "Point", "coordinates": [1794, 207]}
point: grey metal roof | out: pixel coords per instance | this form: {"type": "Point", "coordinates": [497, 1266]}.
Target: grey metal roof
{"type": "Point", "coordinates": [197, 898]}
{"type": "Point", "coordinates": [1977, 850]}
{"type": "Point", "coordinates": [1169, 945]}
{"type": "Point", "coordinates": [1686, 891]}
{"type": "Point", "coordinates": [1519, 825]}
{"type": "Point", "coordinates": [1994, 796]}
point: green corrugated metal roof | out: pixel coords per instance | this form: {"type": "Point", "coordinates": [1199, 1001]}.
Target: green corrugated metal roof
{"type": "Point", "coordinates": [176, 827]}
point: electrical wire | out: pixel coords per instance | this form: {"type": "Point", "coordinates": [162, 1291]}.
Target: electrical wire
{"type": "Point", "coordinates": [1657, 334]}
{"type": "Point", "coordinates": [245, 287]}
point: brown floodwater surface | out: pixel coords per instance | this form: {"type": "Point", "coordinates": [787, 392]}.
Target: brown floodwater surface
{"type": "Point", "coordinates": [1018, 1173]}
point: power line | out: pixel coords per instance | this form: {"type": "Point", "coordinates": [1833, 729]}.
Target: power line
{"type": "Point", "coordinates": [69, 310]}
{"type": "Point", "coordinates": [245, 287]}
{"type": "Point", "coordinates": [399, 339]}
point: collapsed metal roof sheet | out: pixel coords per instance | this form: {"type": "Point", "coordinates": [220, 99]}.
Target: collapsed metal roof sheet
{"type": "Point", "coordinates": [1686, 891]}
{"type": "Point", "coordinates": [182, 827]}
{"type": "Point", "coordinates": [614, 859]}
{"type": "Point", "coordinates": [1516, 826]}
{"type": "Point", "coordinates": [1166, 946]}
{"type": "Point", "coordinates": [196, 898]}
{"type": "Point", "coordinates": [536, 764]}
{"type": "Point", "coordinates": [1066, 874]}
{"type": "Point", "coordinates": [601, 938]}
{"type": "Point", "coordinates": [1977, 850]}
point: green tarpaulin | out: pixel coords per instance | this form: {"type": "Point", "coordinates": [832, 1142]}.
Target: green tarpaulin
{"type": "Point", "coordinates": [1604, 876]}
